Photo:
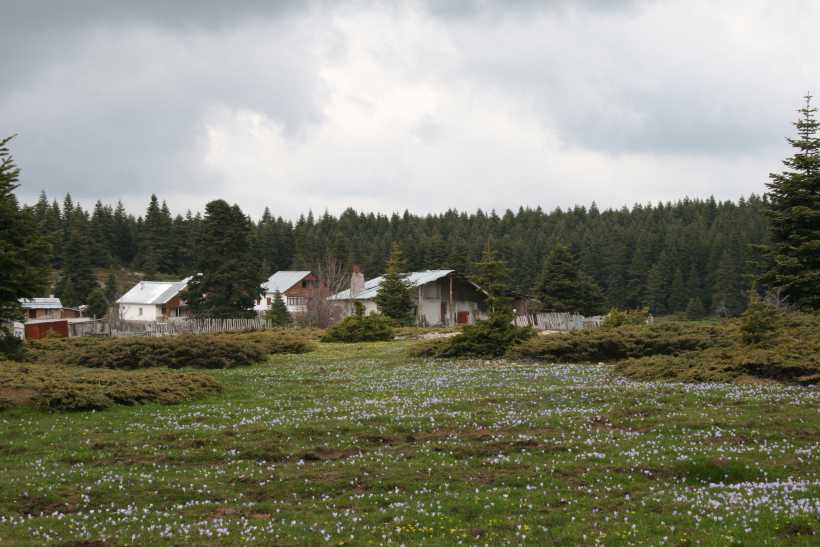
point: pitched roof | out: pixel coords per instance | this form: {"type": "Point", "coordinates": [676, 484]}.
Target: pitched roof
{"type": "Point", "coordinates": [153, 292]}
{"type": "Point", "coordinates": [371, 287]}
{"type": "Point", "coordinates": [50, 303]}
{"type": "Point", "coordinates": [283, 280]}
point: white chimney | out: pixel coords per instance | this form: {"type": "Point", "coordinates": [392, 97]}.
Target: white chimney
{"type": "Point", "coordinates": [356, 281]}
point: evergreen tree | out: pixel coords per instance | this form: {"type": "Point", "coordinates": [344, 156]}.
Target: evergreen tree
{"type": "Point", "coordinates": [98, 303]}
{"type": "Point", "coordinates": [229, 283]}
{"type": "Point", "coordinates": [794, 217]}
{"type": "Point", "coordinates": [278, 313]}
{"type": "Point", "coordinates": [112, 286]}
{"type": "Point", "coordinates": [77, 278]}
{"type": "Point", "coordinates": [728, 299]}
{"type": "Point", "coordinates": [492, 275]}
{"type": "Point", "coordinates": [677, 293]}
{"type": "Point", "coordinates": [695, 309]}
{"type": "Point", "coordinates": [24, 253]}
{"type": "Point", "coordinates": [394, 297]}
{"type": "Point", "coordinates": [562, 287]}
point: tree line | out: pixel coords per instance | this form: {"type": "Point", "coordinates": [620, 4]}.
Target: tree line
{"type": "Point", "coordinates": [656, 255]}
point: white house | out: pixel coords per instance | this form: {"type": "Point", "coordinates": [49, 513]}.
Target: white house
{"type": "Point", "coordinates": [294, 286]}
{"type": "Point", "coordinates": [441, 297]}
{"type": "Point", "coordinates": [153, 301]}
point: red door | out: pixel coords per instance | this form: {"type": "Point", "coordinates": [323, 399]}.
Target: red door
{"type": "Point", "coordinates": [463, 317]}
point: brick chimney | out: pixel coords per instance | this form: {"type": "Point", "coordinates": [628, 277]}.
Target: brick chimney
{"type": "Point", "coordinates": [356, 280]}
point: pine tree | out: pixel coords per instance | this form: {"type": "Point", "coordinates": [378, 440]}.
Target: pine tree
{"type": "Point", "coordinates": [229, 283]}
{"type": "Point", "coordinates": [794, 217]}
{"type": "Point", "coordinates": [24, 252]}
{"type": "Point", "coordinates": [98, 303]}
{"type": "Point", "coordinates": [77, 278]}
{"type": "Point", "coordinates": [562, 287]}
{"type": "Point", "coordinates": [493, 275]}
{"type": "Point", "coordinates": [112, 286]}
{"type": "Point", "coordinates": [394, 297]}
{"type": "Point", "coordinates": [695, 309]}
{"type": "Point", "coordinates": [278, 313]}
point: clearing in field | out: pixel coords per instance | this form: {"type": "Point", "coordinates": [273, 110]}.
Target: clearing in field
{"type": "Point", "coordinates": [357, 444]}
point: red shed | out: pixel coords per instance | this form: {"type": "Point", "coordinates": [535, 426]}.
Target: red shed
{"type": "Point", "coordinates": [41, 329]}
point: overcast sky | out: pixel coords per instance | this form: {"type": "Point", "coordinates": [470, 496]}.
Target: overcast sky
{"type": "Point", "coordinates": [386, 106]}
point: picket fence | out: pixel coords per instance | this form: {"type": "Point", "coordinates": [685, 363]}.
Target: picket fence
{"type": "Point", "coordinates": [187, 326]}
{"type": "Point", "coordinates": [558, 321]}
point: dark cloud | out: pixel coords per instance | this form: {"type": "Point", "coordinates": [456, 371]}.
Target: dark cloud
{"type": "Point", "coordinates": [381, 104]}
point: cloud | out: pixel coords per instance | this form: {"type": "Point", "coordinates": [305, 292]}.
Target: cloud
{"type": "Point", "coordinates": [424, 106]}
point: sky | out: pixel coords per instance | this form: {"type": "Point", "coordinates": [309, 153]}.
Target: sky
{"type": "Point", "coordinates": [391, 106]}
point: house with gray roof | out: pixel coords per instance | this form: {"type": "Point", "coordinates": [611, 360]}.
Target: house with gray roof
{"type": "Point", "coordinates": [42, 308]}
{"type": "Point", "coordinates": [153, 301]}
{"type": "Point", "coordinates": [441, 297]}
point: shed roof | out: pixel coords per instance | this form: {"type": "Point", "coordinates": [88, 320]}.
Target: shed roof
{"type": "Point", "coordinates": [371, 287]}
{"type": "Point", "coordinates": [283, 280]}
{"type": "Point", "coordinates": [153, 292]}
{"type": "Point", "coordinates": [49, 303]}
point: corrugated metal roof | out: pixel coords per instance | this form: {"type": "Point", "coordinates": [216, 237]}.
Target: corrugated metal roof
{"type": "Point", "coordinates": [371, 287]}
{"type": "Point", "coordinates": [48, 303]}
{"type": "Point", "coordinates": [283, 280]}
{"type": "Point", "coordinates": [153, 292]}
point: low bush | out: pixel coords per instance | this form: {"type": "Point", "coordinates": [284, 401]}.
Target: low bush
{"type": "Point", "coordinates": [11, 347]}
{"type": "Point", "coordinates": [277, 341]}
{"type": "Point", "coordinates": [56, 387]}
{"type": "Point", "coordinates": [490, 338]}
{"type": "Point", "coordinates": [613, 344]}
{"type": "Point", "coordinates": [361, 328]}
{"type": "Point", "coordinates": [193, 351]}
{"type": "Point", "coordinates": [792, 356]}
{"type": "Point", "coordinates": [618, 318]}
{"type": "Point", "coordinates": [738, 363]}
{"type": "Point", "coordinates": [223, 350]}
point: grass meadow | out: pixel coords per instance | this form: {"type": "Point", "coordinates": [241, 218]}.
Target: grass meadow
{"type": "Point", "coordinates": [358, 444]}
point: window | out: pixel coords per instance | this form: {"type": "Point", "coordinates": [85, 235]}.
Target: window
{"type": "Point", "coordinates": [269, 301]}
{"type": "Point", "coordinates": [140, 311]}
{"type": "Point", "coordinates": [296, 300]}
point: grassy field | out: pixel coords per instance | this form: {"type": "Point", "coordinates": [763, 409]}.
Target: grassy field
{"type": "Point", "coordinates": [356, 444]}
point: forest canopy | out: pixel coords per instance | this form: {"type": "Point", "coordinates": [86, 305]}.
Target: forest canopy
{"type": "Point", "coordinates": [659, 255]}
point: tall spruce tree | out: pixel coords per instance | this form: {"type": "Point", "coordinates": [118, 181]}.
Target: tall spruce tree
{"type": "Point", "coordinates": [493, 275]}
{"type": "Point", "coordinates": [229, 282]}
{"type": "Point", "coordinates": [24, 252]}
{"type": "Point", "coordinates": [562, 287]}
{"type": "Point", "coordinates": [77, 277]}
{"type": "Point", "coordinates": [393, 298]}
{"type": "Point", "coordinates": [794, 217]}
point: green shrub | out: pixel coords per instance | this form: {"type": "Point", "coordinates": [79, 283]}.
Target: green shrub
{"type": "Point", "coordinates": [56, 387]}
{"type": "Point", "coordinates": [276, 341]}
{"type": "Point", "coordinates": [361, 328]}
{"type": "Point", "coordinates": [794, 356]}
{"type": "Point", "coordinates": [618, 318]}
{"type": "Point", "coordinates": [223, 350]}
{"type": "Point", "coordinates": [603, 345]}
{"type": "Point", "coordinates": [168, 351]}
{"type": "Point", "coordinates": [11, 347]}
{"type": "Point", "coordinates": [490, 338]}
{"type": "Point", "coordinates": [759, 323]}
{"type": "Point", "coordinates": [695, 309]}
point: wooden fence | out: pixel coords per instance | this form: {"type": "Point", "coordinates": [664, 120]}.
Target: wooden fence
{"type": "Point", "coordinates": [558, 321]}
{"type": "Point", "coordinates": [186, 326]}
